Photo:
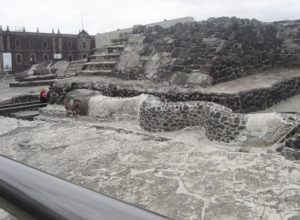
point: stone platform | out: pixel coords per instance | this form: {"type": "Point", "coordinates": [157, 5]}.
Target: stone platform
{"type": "Point", "coordinates": [247, 94]}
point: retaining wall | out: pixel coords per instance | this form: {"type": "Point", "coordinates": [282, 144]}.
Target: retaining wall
{"type": "Point", "coordinates": [249, 101]}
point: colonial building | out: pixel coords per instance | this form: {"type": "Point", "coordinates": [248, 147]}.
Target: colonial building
{"type": "Point", "coordinates": [26, 48]}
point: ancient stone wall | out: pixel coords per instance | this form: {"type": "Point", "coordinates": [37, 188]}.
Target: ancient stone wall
{"type": "Point", "coordinates": [222, 48]}
{"type": "Point", "coordinates": [220, 123]}
{"type": "Point", "coordinates": [244, 102]}
{"type": "Point", "coordinates": [288, 55]}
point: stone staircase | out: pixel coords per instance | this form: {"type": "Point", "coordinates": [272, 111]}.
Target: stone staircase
{"type": "Point", "coordinates": [75, 67]}
{"type": "Point", "coordinates": [103, 60]}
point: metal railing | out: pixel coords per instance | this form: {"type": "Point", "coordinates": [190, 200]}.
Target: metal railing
{"type": "Point", "coordinates": [30, 194]}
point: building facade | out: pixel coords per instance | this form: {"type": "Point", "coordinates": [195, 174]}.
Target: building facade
{"type": "Point", "coordinates": [27, 48]}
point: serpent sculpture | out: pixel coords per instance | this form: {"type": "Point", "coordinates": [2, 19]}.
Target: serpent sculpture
{"type": "Point", "coordinates": [219, 122]}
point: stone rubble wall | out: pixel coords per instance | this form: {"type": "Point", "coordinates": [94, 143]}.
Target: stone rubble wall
{"type": "Point", "coordinates": [260, 99]}
{"type": "Point", "coordinates": [222, 48]}
{"type": "Point", "coordinates": [58, 91]}
{"type": "Point", "coordinates": [288, 55]}
{"type": "Point", "coordinates": [219, 122]}
{"type": "Point", "coordinates": [244, 102]}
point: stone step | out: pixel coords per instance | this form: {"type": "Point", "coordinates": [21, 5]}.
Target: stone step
{"type": "Point", "coordinates": [105, 55]}
{"type": "Point", "coordinates": [31, 83]}
{"type": "Point", "coordinates": [74, 68]}
{"type": "Point", "coordinates": [39, 77]}
{"type": "Point", "coordinates": [101, 63]}
{"type": "Point", "coordinates": [117, 46]}
{"type": "Point", "coordinates": [95, 72]}
{"type": "Point", "coordinates": [119, 39]}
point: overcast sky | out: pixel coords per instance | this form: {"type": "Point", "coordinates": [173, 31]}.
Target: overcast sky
{"type": "Point", "coordinates": [101, 16]}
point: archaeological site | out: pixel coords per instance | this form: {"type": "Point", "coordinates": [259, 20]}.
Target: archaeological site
{"type": "Point", "coordinates": [187, 119]}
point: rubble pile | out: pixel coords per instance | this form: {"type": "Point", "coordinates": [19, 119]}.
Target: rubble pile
{"type": "Point", "coordinates": [222, 48]}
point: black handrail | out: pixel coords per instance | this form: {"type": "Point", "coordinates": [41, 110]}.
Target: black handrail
{"type": "Point", "coordinates": [31, 194]}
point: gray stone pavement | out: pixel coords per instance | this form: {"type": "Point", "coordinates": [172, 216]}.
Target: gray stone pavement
{"type": "Point", "coordinates": [178, 174]}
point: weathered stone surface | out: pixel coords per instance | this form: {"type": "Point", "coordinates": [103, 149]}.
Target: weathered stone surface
{"type": "Point", "coordinates": [179, 174]}
{"type": "Point", "coordinates": [219, 122]}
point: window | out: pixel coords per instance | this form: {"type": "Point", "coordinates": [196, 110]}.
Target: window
{"type": "Point", "coordinates": [32, 59]}
{"type": "Point", "coordinates": [19, 58]}
{"type": "Point", "coordinates": [83, 45]}
{"type": "Point", "coordinates": [45, 44]}
{"type": "Point", "coordinates": [70, 57]}
{"type": "Point", "coordinates": [70, 45]}
{"type": "Point", "coordinates": [18, 43]}
{"type": "Point", "coordinates": [45, 57]}
{"type": "Point", "coordinates": [84, 56]}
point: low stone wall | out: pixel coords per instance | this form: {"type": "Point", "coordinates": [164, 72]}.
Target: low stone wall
{"type": "Point", "coordinates": [256, 100]}
{"type": "Point", "coordinates": [219, 122]}
{"type": "Point", "coordinates": [244, 102]}
{"type": "Point", "coordinates": [59, 90]}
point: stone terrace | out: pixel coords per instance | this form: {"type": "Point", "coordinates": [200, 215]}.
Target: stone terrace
{"type": "Point", "coordinates": [247, 94]}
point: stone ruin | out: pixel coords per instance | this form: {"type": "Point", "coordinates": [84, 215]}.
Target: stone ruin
{"type": "Point", "coordinates": [202, 55]}
{"type": "Point", "coordinates": [45, 73]}
{"type": "Point", "coordinates": [220, 123]}
{"type": "Point", "coordinates": [191, 63]}
{"type": "Point", "coordinates": [222, 48]}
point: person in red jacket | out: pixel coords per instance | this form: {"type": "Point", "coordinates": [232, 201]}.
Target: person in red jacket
{"type": "Point", "coordinates": [44, 96]}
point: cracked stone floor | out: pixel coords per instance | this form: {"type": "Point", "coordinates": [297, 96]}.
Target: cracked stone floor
{"type": "Point", "coordinates": [179, 174]}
